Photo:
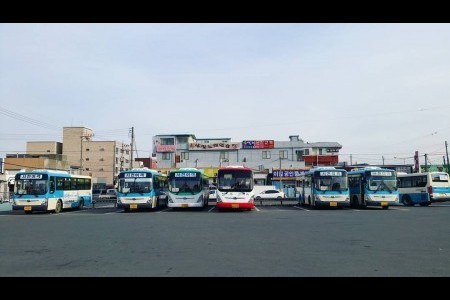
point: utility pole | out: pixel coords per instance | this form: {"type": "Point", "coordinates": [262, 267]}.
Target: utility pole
{"type": "Point", "coordinates": [382, 158]}
{"type": "Point", "coordinates": [132, 143]}
{"type": "Point", "coordinates": [446, 152]}
{"type": "Point", "coordinates": [280, 174]}
{"type": "Point", "coordinates": [426, 165]}
{"type": "Point", "coordinates": [351, 161]}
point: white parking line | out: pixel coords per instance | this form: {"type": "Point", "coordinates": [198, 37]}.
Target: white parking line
{"type": "Point", "coordinates": [164, 210]}
{"type": "Point", "coordinates": [257, 209]}
{"type": "Point", "coordinates": [211, 209]}
{"type": "Point", "coordinates": [298, 207]}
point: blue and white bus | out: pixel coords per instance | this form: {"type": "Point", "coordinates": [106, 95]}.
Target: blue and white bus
{"type": "Point", "coordinates": [44, 190]}
{"type": "Point", "coordinates": [323, 186]}
{"type": "Point", "coordinates": [373, 186]}
{"type": "Point", "coordinates": [423, 188]}
{"type": "Point", "coordinates": [188, 187]}
{"type": "Point", "coordinates": [140, 188]}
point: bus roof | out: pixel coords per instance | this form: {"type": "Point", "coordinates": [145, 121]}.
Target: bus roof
{"type": "Point", "coordinates": [54, 173]}
{"type": "Point", "coordinates": [243, 168]}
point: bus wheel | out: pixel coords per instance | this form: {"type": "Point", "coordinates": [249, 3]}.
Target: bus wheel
{"type": "Point", "coordinates": [81, 204]}
{"type": "Point", "coordinates": [407, 201]}
{"type": "Point", "coordinates": [58, 207]}
{"type": "Point", "coordinates": [421, 204]}
{"type": "Point", "coordinates": [385, 207]}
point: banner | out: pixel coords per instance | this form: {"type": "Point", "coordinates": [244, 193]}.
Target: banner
{"type": "Point", "coordinates": [264, 144]}
{"type": "Point", "coordinates": [215, 146]}
{"type": "Point", "coordinates": [166, 148]}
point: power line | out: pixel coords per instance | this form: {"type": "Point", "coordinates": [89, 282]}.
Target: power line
{"type": "Point", "coordinates": [26, 119]}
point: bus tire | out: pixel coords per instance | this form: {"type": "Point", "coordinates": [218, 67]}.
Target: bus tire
{"type": "Point", "coordinates": [425, 203]}
{"type": "Point", "coordinates": [385, 207]}
{"type": "Point", "coordinates": [406, 199]}
{"type": "Point", "coordinates": [81, 204]}
{"type": "Point", "coordinates": [58, 207]}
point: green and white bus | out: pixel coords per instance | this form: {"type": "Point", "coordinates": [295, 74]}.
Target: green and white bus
{"type": "Point", "coordinates": [188, 187]}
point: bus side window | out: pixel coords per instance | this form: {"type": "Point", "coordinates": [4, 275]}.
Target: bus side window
{"type": "Point", "coordinates": [52, 184]}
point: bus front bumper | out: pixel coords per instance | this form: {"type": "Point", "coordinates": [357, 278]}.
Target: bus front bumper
{"type": "Point", "coordinates": [248, 205]}
{"type": "Point", "coordinates": [332, 203]}
{"type": "Point", "coordinates": [134, 206]}
{"type": "Point", "coordinates": [30, 207]}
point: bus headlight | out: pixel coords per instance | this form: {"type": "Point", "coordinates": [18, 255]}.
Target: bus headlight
{"type": "Point", "coordinates": [170, 199]}
{"type": "Point", "coordinates": [200, 199]}
{"type": "Point", "coordinates": [45, 201]}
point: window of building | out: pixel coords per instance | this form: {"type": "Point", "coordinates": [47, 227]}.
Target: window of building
{"type": "Point", "coordinates": [117, 160]}
{"type": "Point", "coordinates": [87, 149]}
{"type": "Point", "coordinates": [299, 154]}
{"type": "Point", "coordinates": [306, 152]}
{"type": "Point", "coordinates": [166, 156]}
{"type": "Point", "coordinates": [117, 169]}
{"type": "Point", "coordinates": [283, 154]}
{"type": "Point", "coordinates": [223, 155]}
{"type": "Point", "coordinates": [182, 139]}
{"type": "Point", "coordinates": [87, 158]}
{"type": "Point", "coordinates": [127, 161]}
{"type": "Point", "coordinates": [167, 141]}
{"type": "Point", "coordinates": [266, 154]}
{"type": "Point", "coordinates": [87, 169]}
{"type": "Point", "coordinates": [127, 151]}
{"type": "Point", "coordinates": [117, 150]}
{"type": "Point", "coordinates": [185, 155]}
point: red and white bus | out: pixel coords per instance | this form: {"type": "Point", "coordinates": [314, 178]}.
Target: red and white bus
{"type": "Point", "coordinates": [235, 188]}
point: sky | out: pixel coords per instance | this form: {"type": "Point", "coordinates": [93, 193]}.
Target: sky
{"type": "Point", "coordinates": [380, 90]}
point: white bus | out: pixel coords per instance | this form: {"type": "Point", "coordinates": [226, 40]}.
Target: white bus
{"type": "Point", "coordinates": [140, 188]}
{"type": "Point", "coordinates": [188, 187]}
{"type": "Point", "coordinates": [323, 186]}
{"type": "Point", "coordinates": [45, 190]}
{"type": "Point", "coordinates": [373, 186]}
{"type": "Point", "coordinates": [235, 188]}
{"type": "Point", "coordinates": [423, 188]}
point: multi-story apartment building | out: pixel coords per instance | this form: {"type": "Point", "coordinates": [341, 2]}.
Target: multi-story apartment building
{"type": "Point", "coordinates": [103, 160]}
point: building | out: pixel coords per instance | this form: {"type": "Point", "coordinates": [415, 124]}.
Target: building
{"type": "Point", "coordinates": [187, 151]}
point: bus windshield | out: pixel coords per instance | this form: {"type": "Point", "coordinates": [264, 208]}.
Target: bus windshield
{"type": "Point", "coordinates": [382, 181]}
{"type": "Point", "coordinates": [30, 187]}
{"type": "Point", "coordinates": [239, 181]}
{"type": "Point", "coordinates": [185, 182]}
{"type": "Point", "coordinates": [135, 185]}
{"type": "Point", "coordinates": [331, 181]}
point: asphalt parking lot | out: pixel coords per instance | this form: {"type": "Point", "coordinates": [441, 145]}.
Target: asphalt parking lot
{"type": "Point", "coordinates": [271, 240]}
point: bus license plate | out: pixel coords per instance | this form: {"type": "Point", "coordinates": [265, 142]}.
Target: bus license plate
{"type": "Point", "coordinates": [333, 203]}
{"type": "Point", "coordinates": [184, 205]}
{"type": "Point", "coordinates": [27, 208]}
{"type": "Point", "coordinates": [133, 206]}
{"type": "Point", "coordinates": [384, 203]}
{"type": "Point", "coordinates": [234, 205]}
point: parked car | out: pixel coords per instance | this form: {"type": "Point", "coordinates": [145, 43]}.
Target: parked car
{"type": "Point", "coordinates": [212, 193]}
{"type": "Point", "coordinates": [104, 194]}
{"type": "Point", "coordinates": [270, 194]}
